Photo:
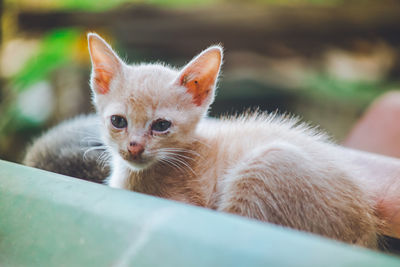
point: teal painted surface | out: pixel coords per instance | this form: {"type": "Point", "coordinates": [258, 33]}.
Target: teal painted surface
{"type": "Point", "coordinates": [53, 220]}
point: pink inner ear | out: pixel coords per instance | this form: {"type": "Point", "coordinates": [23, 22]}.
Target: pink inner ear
{"type": "Point", "coordinates": [200, 75]}
{"type": "Point", "coordinates": [105, 64]}
{"type": "Point", "coordinates": [102, 80]}
{"type": "Point", "coordinates": [198, 87]}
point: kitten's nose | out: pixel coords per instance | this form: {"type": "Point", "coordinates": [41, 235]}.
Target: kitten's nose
{"type": "Point", "coordinates": [135, 149]}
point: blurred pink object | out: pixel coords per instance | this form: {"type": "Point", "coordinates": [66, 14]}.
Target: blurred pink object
{"type": "Point", "coordinates": [378, 131]}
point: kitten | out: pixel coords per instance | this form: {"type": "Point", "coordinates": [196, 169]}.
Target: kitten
{"type": "Point", "coordinates": [260, 166]}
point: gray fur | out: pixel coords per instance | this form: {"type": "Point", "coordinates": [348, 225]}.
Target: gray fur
{"type": "Point", "coordinates": [72, 148]}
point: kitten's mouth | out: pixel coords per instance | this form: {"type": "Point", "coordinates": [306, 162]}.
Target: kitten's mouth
{"type": "Point", "coordinates": [136, 163]}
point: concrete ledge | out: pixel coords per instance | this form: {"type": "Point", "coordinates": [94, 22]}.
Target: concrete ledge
{"type": "Point", "coordinates": [52, 220]}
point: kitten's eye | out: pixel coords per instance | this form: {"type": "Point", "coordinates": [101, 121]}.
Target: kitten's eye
{"type": "Point", "coordinates": [118, 121]}
{"type": "Point", "coordinates": [160, 125]}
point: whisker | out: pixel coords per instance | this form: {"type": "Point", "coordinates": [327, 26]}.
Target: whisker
{"type": "Point", "coordinates": [177, 155]}
{"type": "Point", "coordinates": [201, 142]}
{"type": "Point", "coordinates": [103, 159]}
{"type": "Point", "coordinates": [88, 150]}
{"type": "Point", "coordinates": [172, 164]}
{"type": "Point", "coordinates": [185, 164]}
{"type": "Point", "coordinates": [175, 159]}
{"type": "Point", "coordinates": [92, 139]}
{"type": "Point", "coordinates": [182, 150]}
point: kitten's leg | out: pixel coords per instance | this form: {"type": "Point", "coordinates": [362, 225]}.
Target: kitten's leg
{"type": "Point", "coordinates": [281, 184]}
{"type": "Point", "coordinates": [115, 181]}
{"type": "Point", "coordinates": [119, 174]}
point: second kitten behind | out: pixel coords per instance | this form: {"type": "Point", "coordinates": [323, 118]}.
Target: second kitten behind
{"type": "Point", "coordinates": [72, 148]}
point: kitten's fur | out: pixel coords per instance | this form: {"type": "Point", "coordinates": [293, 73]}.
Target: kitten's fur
{"type": "Point", "coordinates": [72, 148]}
{"type": "Point", "coordinates": [255, 165]}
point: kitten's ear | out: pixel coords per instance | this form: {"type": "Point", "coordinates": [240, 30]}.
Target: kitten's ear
{"type": "Point", "coordinates": [200, 75]}
{"type": "Point", "coordinates": [105, 63]}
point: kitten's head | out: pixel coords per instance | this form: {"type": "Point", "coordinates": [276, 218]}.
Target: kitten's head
{"type": "Point", "coordinates": [150, 110]}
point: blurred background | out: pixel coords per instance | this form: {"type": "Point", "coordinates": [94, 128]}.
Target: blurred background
{"type": "Point", "coordinates": [323, 60]}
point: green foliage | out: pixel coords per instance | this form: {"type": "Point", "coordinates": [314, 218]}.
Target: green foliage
{"type": "Point", "coordinates": [322, 84]}
{"type": "Point", "coordinates": [294, 2]}
{"type": "Point", "coordinates": [98, 5]}
{"type": "Point", "coordinates": [55, 50]}
{"type": "Point", "coordinates": [102, 5]}
{"type": "Point", "coordinates": [180, 3]}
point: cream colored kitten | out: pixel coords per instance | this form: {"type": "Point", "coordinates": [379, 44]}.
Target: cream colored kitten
{"type": "Point", "coordinates": [254, 165]}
